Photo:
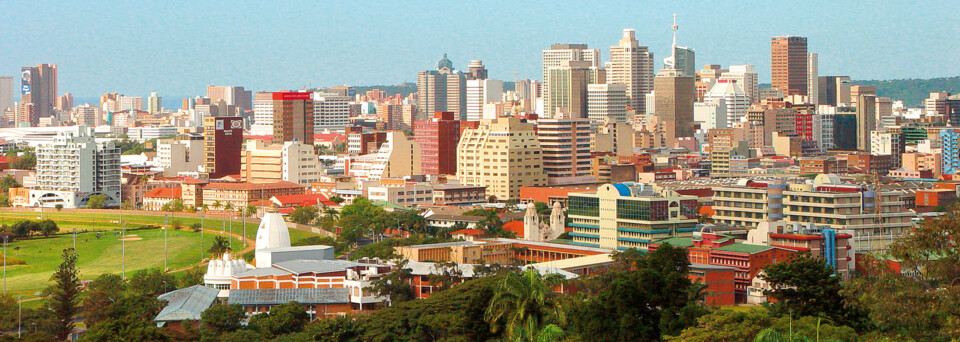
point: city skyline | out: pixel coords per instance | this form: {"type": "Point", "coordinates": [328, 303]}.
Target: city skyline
{"type": "Point", "coordinates": [125, 51]}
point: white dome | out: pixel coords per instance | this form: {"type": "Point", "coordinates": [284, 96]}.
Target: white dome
{"type": "Point", "coordinates": [272, 232]}
{"type": "Point", "coordinates": [225, 267]}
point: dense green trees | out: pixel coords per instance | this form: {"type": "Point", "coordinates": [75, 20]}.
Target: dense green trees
{"type": "Point", "coordinates": [97, 201]}
{"type": "Point", "coordinates": [525, 308]}
{"type": "Point", "coordinates": [304, 215]}
{"type": "Point", "coordinates": [396, 284]}
{"type": "Point", "coordinates": [27, 228]}
{"type": "Point", "coordinates": [649, 297]}
{"type": "Point", "coordinates": [806, 286]}
{"type": "Point", "coordinates": [745, 323]}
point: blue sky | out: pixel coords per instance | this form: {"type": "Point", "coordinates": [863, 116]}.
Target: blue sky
{"type": "Point", "coordinates": [178, 47]}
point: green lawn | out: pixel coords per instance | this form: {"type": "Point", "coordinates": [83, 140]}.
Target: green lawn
{"type": "Point", "coordinates": [68, 221]}
{"type": "Point", "coordinates": [103, 255]}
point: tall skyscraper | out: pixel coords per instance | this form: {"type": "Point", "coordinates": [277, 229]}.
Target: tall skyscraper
{"type": "Point", "coordinates": [568, 88]}
{"type": "Point", "coordinates": [64, 102]}
{"type": "Point", "coordinates": [330, 112]}
{"type": "Point", "coordinates": [222, 141]}
{"type": "Point", "coordinates": [558, 53]}
{"type": "Point", "coordinates": [441, 90]}
{"type": "Point", "coordinates": [6, 93]}
{"type": "Point", "coordinates": [747, 79]}
{"type": "Point", "coordinates": [565, 146]}
{"type": "Point", "coordinates": [674, 94]}
{"type": "Point", "coordinates": [131, 102]}
{"type": "Point", "coordinates": [154, 103]}
{"type": "Point", "coordinates": [480, 92]}
{"type": "Point", "coordinates": [866, 120]}
{"type": "Point", "coordinates": [813, 80]}
{"type": "Point", "coordinates": [682, 58]}
{"type": "Point", "coordinates": [632, 65]}
{"type": "Point", "coordinates": [607, 103]}
{"type": "Point", "coordinates": [788, 64]}
{"type": "Point", "coordinates": [284, 116]}
{"type": "Point", "coordinates": [232, 95]}
{"type": "Point", "coordinates": [476, 70]}
{"type": "Point", "coordinates": [438, 139]}
{"type": "Point", "coordinates": [833, 90]}
{"type": "Point", "coordinates": [39, 87]}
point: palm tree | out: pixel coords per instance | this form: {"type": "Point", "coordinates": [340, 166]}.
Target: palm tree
{"type": "Point", "coordinates": [227, 208]}
{"type": "Point", "coordinates": [220, 246]}
{"type": "Point", "coordinates": [525, 308]}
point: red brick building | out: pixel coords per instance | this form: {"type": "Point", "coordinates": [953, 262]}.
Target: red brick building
{"type": "Point", "coordinates": [438, 139]}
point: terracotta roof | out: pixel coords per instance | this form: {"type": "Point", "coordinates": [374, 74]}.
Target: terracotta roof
{"type": "Point", "coordinates": [469, 232]}
{"type": "Point", "coordinates": [514, 226]}
{"type": "Point", "coordinates": [251, 186]}
{"type": "Point", "coordinates": [175, 192]}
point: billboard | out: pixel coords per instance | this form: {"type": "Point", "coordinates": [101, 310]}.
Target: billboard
{"type": "Point", "coordinates": [26, 75]}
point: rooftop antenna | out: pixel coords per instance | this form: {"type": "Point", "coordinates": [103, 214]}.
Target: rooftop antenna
{"type": "Point", "coordinates": [673, 48]}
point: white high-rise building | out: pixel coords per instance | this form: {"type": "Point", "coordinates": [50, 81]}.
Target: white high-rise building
{"type": "Point", "coordinates": [813, 87]}
{"type": "Point", "coordinates": [330, 111]}
{"type": "Point", "coordinates": [262, 115]}
{"type": "Point", "coordinates": [747, 78]}
{"type": "Point", "coordinates": [75, 167]}
{"type": "Point", "coordinates": [154, 103]}
{"type": "Point", "coordinates": [480, 92]}
{"type": "Point", "coordinates": [607, 101]}
{"type": "Point", "coordinates": [711, 113]}
{"type": "Point", "coordinates": [6, 93]}
{"type": "Point", "coordinates": [737, 102]}
{"type": "Point", "coordinates": [87, 115]}
{"type": "Point", "coordinates": [823, 130]}
{"type": "Point", "coordinates": [558, 53]}
{"type": "Point", "coordinates": [632, 65]}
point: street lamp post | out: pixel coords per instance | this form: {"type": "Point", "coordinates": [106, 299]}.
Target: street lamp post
{"type": "Point", "coordinates": [5, 239]}
{"type": "Point", "coordinates": [165, 228]}
{"type": "Point", "coordinates": [201, 235]}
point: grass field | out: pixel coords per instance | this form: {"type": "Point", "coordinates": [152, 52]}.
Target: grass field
{"type": "Point", "coordinates": [104, 255]}
{"type": "Point", "coordinates": [68, 221]}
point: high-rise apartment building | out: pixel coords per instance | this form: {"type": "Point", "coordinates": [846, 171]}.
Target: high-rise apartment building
{"type": "Point", "coordinates": [222, 141]}
{"type": "Point", "coordinates": [568, 88]}
{"type": "Point", "coordinates": [87, 115]}
{"type": "Point", "coordinates": [284, 115]}
{"type": "Point", "coordinates": [6, 93]}
{"type": "Point", "coordinates": [291, 161]}
{"type": "Point", "coordinates": [632, 65]}
{"type": "Point", "coordinates": [565, 146]}
{"type": "Point", "coordinates": [64, 102]}
{"type": "Point", "coordinates": [130, 103]}
{"type": "Point", "coordinates": [75, 167]}
{"type": "Point", "coordinates": [503, 155]}
{"type": "Point", "coordinates": [866, 120]}
{"type": "Point", "coordinates": [735, 99]}
{"type": "Point", "coordinates": [39, 87]}
{"type": "Point", "coordinates": [480, 92]}
{"type": "Point", "coordinates": [441, 90]}
{"type": "Point", "coordinates": [391, 115]}
{"type": "Point", "coordinates": [438, 139]}
{"type": "Point", "coordinates": [154, 103]}
{"type": "Point", "coordinates": [558, 53]}
{"type": "Point", "coordinates": [330, 112]}
{"type": "Point", "coordinates": [747, 79]}
{"type": "Point", "coordinates": [857, 90]}
{"type": "Point", "coordinates": [183, 153]}
{"type": "Point", "coordinates": [232, 95]}
{"type": "Point", "coordinates": [674, 95]}
{"type": "Point", "coordinates": [607, 102]}
{"type": "Point", "coordinates": [788, 64]}
{"type": "Point", "coordinates": [813, 80]}
{"type": "Point", "coordinates": [398, 156]}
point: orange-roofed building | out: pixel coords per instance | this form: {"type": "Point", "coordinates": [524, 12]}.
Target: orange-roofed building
{"type": "Point", "coordinates": [301, 200]}
{"type": "Point", "coordinates": [240, 194]}
{"type": "Point", "coordinates": [154, 199]}
{"type": "Point", "coordinates": [468, 234]}
{"type": "Point", "coordinates": [516, 227]}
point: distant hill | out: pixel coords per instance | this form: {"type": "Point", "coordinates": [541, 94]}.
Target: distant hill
{"type": "Point", "coordinates": [913, 91]}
